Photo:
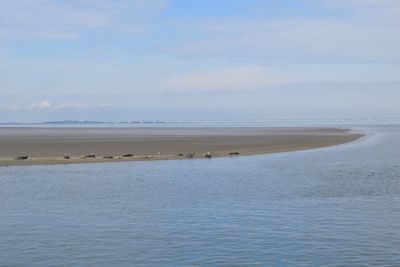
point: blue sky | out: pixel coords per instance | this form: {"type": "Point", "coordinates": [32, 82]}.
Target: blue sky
{"type": "Point", "coordinates": [192, 59]}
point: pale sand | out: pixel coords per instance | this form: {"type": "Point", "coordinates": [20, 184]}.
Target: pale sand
{"type": "Point", "coordinates": [48, 145]}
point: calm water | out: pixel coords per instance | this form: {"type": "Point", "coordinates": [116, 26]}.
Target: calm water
{"type": "Point", "coordinates": [329, 207]}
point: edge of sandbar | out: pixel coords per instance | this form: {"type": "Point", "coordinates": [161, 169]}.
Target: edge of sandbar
{"type": "Point", "coordinates": [352, 135]}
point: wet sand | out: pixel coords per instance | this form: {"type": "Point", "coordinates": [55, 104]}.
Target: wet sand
{"type": "Point", "coordinates": [49, 145]}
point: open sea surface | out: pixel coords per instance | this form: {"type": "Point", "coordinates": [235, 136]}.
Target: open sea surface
{"type": "Point", "coordinates": [337, 206]}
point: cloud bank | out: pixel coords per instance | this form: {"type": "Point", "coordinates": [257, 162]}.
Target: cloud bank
{"type": "Point", "coordinates": [62, 56]}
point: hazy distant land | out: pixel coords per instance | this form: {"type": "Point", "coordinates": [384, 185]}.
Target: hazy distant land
{"type": "Point", "coordinates": [50, 145]}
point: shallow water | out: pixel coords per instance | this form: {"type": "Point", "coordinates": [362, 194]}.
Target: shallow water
{"type": "Point", "coordinates": [326, 207]}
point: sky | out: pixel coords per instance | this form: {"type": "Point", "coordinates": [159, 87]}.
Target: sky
{"type": "Point", "coordinates": [121, 60]}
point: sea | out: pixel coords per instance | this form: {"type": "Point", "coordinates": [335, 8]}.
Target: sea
{"type": "Point", "coordinates": [336, 206]}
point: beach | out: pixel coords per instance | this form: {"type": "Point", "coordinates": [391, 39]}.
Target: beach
{"type": "Point", "coordinates": [31, 146]}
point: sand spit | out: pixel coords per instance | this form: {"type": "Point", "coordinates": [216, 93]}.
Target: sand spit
{"type": "Point", "coordinates": [30, 146]}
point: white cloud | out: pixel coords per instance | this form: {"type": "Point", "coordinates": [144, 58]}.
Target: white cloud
{"type": "Point", "coordinates": [45, 105]}
{"type": "Point", "coordinates": [361, 3]}
{"type": "Point", "coordinates": [49, 19]}
{"type": "Point", "coordinates": [224, 79]}
{"type": "Point", "coordinates": [40, 105]}
{"type": "Point", "coordinates": [357, 31]}
{"type": "Point", "coordinates": [378, 13]}
{"type": "Point", "coordinates": [310, 40]}
{"type": "Point", "coordinates": [259, 77]}
{"type": "Point", "coordinates": [238, 78]}
{"type": "Point", "coordinates": [234, 43]}
{"type": "Point", "coordinates": [103, 105]}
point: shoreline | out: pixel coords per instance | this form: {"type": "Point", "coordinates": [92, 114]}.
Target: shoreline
{"type": "Point", "coordinates": [48, 146]}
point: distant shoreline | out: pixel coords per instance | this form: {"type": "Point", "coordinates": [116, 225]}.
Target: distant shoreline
{"type": "Point", "coordinates": [89, 145]}
{"type": "Point", "coordinates": [272, 122]}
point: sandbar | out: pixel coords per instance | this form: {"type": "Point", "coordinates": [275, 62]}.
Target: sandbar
{"type": "Point", "coordinates": [50, 145]}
